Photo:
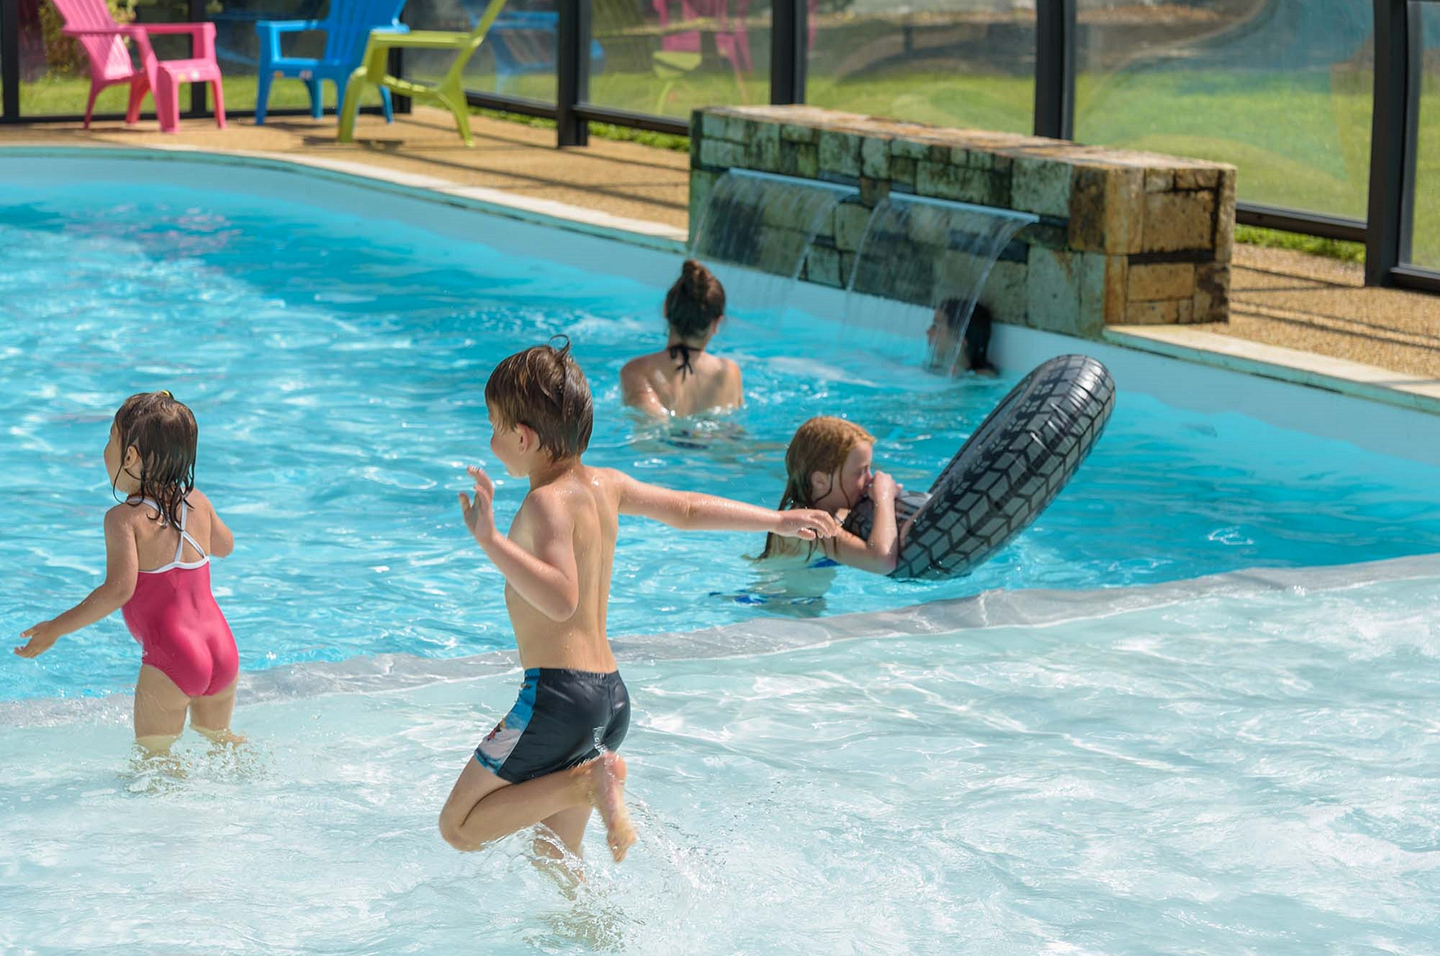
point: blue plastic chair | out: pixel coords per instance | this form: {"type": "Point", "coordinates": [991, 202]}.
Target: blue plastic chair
{"type": "Point", "coordinates": [347, 30]}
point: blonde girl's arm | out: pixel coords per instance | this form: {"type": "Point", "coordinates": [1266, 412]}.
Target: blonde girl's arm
{"type": "Point", "coordinates": [881, 552]}
{"type": "Point", "coordinates": [122, 566]}
{"type": "Point", "coordinates": [692, 511]}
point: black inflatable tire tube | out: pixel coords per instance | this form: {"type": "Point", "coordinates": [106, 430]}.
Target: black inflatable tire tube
{"type": "Point", "coordinates": [1010, 469]}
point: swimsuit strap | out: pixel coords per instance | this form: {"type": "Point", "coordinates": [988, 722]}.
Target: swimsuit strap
{"type": "Point", "coordinates": [185, 535]}
{"type": "Point", "coordinates": [681, 352]}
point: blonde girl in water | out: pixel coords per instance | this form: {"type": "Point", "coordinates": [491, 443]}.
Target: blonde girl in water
{"type": "Point", "coordinates": [683, 378]}
{"type": "Point", "coordinates": [828, 466]}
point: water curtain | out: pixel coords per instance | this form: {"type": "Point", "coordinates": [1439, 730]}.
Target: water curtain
{"type": "Point", "coordinates": [765, 224]}
{"type": "Point", "coordinates": [931, 253]}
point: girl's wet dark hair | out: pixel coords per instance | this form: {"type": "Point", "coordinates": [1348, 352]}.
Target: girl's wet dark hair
{"type": "Point", "coordinates": [976, 341]}
{"type": "Point", "coordinates": [695, 301]}
{"type": "Point", "coordinates": [164, 434]}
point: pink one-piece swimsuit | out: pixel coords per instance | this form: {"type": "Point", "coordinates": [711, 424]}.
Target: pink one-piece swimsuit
{"type": "Point", "coordinates": [178, 624]}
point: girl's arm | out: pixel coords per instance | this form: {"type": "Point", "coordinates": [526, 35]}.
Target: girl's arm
{"type": "Point", "coordinates": [692, 511]}
{"type": "Point", "coordinates": [122, 565]}
{"type": "Point", "coordinates": [637, 393]}
{"type": "Point", "coordinates": [222, 539]}
{"type": "Point", "coordinates": [882, 551]}
{"type": "Point", "coordinates": [547, 578]}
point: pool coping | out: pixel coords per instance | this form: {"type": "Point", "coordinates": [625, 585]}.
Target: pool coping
{"type": "Point", "coordinates": [1195, 346]}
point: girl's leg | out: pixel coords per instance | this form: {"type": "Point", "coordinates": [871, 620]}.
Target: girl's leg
{"type": "Point", "coordinates": [211, 715]}
{"type": "Point", "coordinates": [159, 710]}
{"type": "Point", "coordinates": [483, 808]}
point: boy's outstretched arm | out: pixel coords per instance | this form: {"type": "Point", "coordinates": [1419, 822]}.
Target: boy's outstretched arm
{"type": "Point", "coordinates": [547, 579]}
{"type": "Point", "coordinates": [122, 566]}
{"type": "Point", "coordinates": [693, 511]}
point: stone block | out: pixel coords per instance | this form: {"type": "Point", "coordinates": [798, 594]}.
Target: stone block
{"type": "Point", "coordinates": [939, 180]}
{"type": "Point", "coordinates": [799, 159]}
{"type": "Point", "coordinates": [1004, 292]}
{"type": "Point", "coordinates": [960, 156]}
{"type": "Point", "coordinates": [823, 266]}
{"type": "Point", "coordinates": [799, 134]}
{"type": "Point", "coordinates": [875, 158]}
{"type": "Point", "coordinates": [960, 183]}
{"type": "Point", "coordinates": [847, 268]}
{"type": "Point", "coordinates": [1196, 178]}
{"type": "Point", "coordinates": [909, 149]}
{"type": "Point", "coordinates": [1106, 209]}
{"type": "Point", "coordinates": [1159, 180]}
{"type": "Point", "coordinates": [1161, 280]}
{"type": "Point", "coordinates": [850, 222]}
{"type": "Point", "coordinates": [763, 150]}
{"type": "Point", "coordinates": [1041, 186]}
{"type": "Point", "coordinates": [873, 191]}
{"type": "Point", "coordinates": [1225, 216]}
{"type": "Point", "coordinates": [1185, 311]}
{"type": "Point", "coordinates": [1152, 313]}
{"type": "Point", "coordinates": [1065, 292]}
{"type": "Point", "coordinates": [902, 171]}
{"type": "Point", "coordinates": [712, 126]}
{"type": "Point", "coordinates": [1212, 293]}
{"type": "Point", "coordinates": [840, 154]}
{"type": "Point", "coordinates": [738, 129]}
{"type": "Point", "coordinates": [1115, 281]}
{"type": "Point", "coordinates": [1178, 221]}
{"type": "Point", "coordinates": [720, 154]}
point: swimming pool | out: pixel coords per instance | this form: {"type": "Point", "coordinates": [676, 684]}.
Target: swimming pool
{"type": "Point", "coordinates": [1086, 747]}
{"type": "Point", "coordinates": [337, 373]}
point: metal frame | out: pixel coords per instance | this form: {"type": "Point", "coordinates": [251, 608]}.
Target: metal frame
{"type": "Point", "coordinates": [1386, 231]}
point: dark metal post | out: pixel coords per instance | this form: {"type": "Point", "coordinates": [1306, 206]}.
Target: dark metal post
{"type": "Point", "coordinates": [572, 72]}
{"type": "Point", "coordinates": [1389, 138]}
{"type": "Point", "coordinates": [398, 103]}
{"type": "Point", "coordinates": [789, 50]}
{"type": "Point", "coordinates": [1055, 28]}
{"type": "Point", "coordinates": [10, 59]}
{"type": "Point", "coordinates": [197, 90]}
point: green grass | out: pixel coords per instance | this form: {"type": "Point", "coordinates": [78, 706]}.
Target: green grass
{"type": "Point", "coordinates": [1312, 245]}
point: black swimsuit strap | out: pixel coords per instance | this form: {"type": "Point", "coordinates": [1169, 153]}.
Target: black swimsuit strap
{"type": "Point", "coordinates": [681, 352]}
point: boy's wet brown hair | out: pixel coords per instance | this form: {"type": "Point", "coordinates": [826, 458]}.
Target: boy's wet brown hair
{"type": "Point", "coordinates": [695, 301]}
{"type": "Point", "coordinates": [163, 432]}
{"type": "Point", "coordinates": [544, 389]}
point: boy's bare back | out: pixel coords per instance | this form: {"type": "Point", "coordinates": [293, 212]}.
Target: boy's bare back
{"type": "Point", "coordinates": [569, 520]}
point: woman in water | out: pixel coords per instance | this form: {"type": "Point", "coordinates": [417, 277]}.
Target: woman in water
{"type": "Point", "coordinates": [827, 467]}
{"type": "Point", "coordinates": [683, 378]}
{"type": "Point", "coordinates": [158, 545]}
{"type": "Point", "coordinates": [956, 345]}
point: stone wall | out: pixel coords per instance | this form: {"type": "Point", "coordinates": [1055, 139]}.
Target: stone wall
{"type": "Point", "coordinates": [1123, 237]}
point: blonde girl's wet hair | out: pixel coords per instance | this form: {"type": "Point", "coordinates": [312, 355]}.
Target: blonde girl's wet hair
{"type": "Point", "coordinates": [821, 444]}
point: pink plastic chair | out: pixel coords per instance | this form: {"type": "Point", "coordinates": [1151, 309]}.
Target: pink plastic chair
{"type": "Point", "coordinates": [89, 21]}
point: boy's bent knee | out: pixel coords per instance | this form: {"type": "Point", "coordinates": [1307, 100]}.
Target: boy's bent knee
{"type": "Point", "coordinates": [451, 833]}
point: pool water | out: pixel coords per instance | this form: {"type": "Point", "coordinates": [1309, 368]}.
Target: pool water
{"type": "Point", "coordinates": [338, 381]}
{"type": "Point", "coordinates": [1238, 766]}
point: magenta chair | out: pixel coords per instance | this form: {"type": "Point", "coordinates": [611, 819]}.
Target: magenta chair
{"type": "Point", "coordinates": [90, 22]}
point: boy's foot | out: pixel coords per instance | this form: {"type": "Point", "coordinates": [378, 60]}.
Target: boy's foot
{"type": "Point", "coordinates": [607, 794]}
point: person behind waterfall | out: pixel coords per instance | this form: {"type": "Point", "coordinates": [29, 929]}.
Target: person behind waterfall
{"type": "Point", "coordinates": [683, 378]}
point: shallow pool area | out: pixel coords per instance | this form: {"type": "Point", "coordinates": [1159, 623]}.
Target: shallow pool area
{"type": "Point", "coordinates": [1189, 711]}
{"type": "Point", "coordinates": [1248, 768]}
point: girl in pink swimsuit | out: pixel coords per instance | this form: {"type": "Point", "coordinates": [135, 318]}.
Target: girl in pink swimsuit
{"type": "Point", "coordinates": [158, 545]}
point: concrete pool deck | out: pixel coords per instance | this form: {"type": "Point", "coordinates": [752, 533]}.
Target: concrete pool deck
{"type": "Point", "coordinates": [1287, 308]}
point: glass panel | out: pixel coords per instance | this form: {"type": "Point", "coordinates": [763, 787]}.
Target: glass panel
{"type": "Point", "coordinates": [1425, 242]}
{"type": "Point", "coordinates": [517, 57]}
{"type": "Point", "coordinates": [1280, 88]}
{"type": "Point", "coordinates": [671, 56]}
{"type": "Point", "coordinates": [55, 70]}
{"type": "Point", "coordinates": [967, 63]}
{"type": "Point", "coordinates": [237, 48]}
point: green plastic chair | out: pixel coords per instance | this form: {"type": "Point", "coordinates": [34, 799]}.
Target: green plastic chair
{"type": "Point", "coordinates": [449, 92]}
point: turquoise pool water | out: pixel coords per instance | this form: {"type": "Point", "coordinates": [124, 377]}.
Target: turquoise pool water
{"type": "Point", "coordinates": [338, 383]}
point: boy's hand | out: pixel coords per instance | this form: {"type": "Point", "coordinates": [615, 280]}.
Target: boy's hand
{"type": "Point", "coordinates": [807, 523]}
{"type": "Point", "coordinates": [42, 637]}
{"type": "Point", "coordinates": [480, 517]}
